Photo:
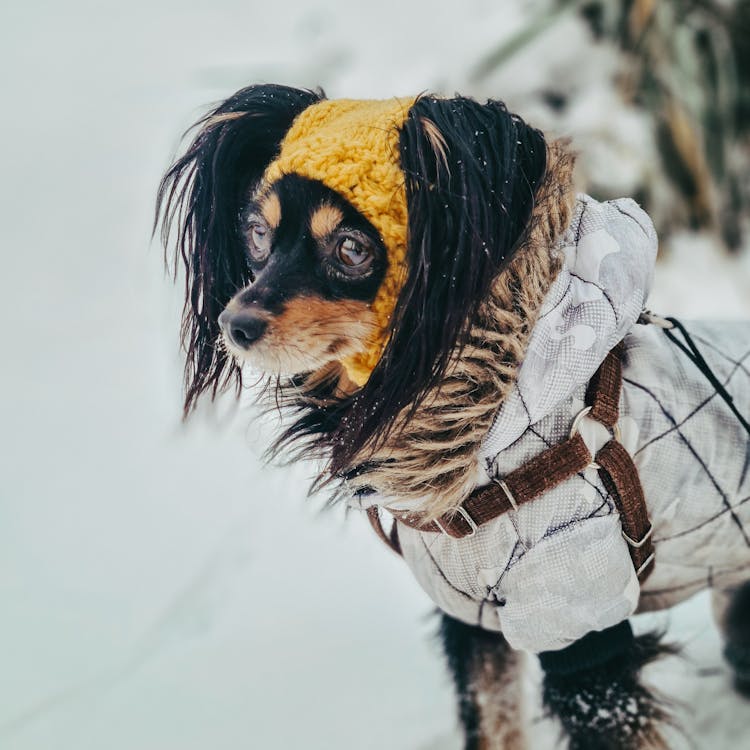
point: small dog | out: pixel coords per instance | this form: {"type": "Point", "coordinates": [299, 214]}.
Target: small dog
{"type": "Point", "coordinates": [431, 301]}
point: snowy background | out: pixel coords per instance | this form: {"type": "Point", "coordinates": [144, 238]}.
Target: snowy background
{"type": "Point", "coordinates": [160, 589]}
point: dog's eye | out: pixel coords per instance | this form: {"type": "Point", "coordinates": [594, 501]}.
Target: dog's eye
{"type": "Point", "coordinates": [352, 253]}
{"type": "Point", "coordinates": [259, 237]}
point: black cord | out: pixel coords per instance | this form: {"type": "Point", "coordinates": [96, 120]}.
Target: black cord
{"type": "Point", "coordinates": [693, 353]}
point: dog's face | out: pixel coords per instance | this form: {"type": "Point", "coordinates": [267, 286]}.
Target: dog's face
{"type": "Point", "coordinates": [317, 264]}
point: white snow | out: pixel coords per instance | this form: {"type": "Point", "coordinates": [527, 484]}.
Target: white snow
{"type": "Point", "coordinates": [161, 589]}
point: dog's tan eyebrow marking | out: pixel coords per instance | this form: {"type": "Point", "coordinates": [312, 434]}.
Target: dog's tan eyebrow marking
{"type": "Point", "coordinates": [270, 207]}
{"type": "Point", "coordinates": [324, 220]}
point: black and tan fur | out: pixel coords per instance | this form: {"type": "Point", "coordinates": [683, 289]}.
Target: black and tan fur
{"type": "Point", "coordinates": [486, 198]}
{"type": "Point", "coordinates": [305, 311]}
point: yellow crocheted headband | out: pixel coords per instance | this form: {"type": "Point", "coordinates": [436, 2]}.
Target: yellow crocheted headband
{"type": "Point", "coordinates": [352, 147]}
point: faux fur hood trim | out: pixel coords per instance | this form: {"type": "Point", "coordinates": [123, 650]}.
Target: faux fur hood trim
{"type": "Point", "coordinates": [430, 462]}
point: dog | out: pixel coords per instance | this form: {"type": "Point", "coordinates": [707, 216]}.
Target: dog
{"type": "Point", "coordinates": [459, 338]}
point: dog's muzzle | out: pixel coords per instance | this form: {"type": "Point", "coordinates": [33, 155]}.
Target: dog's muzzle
{"type": "Point", "coordinates": [241, 328]}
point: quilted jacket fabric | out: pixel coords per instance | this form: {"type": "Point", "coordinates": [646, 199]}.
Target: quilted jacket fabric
{"type": "Point", "coordinates": [558, 567]}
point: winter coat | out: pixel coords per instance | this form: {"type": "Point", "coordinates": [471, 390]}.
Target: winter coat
{"type": "Point", "coordinates": [558, 567]}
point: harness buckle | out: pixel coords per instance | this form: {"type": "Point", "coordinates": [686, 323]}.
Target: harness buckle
{"type": "Point", "coordinates": [649, 318]}
{"type": "Point", "coordinates": [647, 562]}
{"type": "Point", "coordinates": [583, 414]}
{"type": "Point", "coordinates": [504, 487]}
{"type": "Point", "coordinates": [638, 544]}
{"type": "Point", "coordinates": [576, 426]}
{"type": "Point", "coordinates": [472, 523]}
{"type": "Point", "coordinates": [469, 520]}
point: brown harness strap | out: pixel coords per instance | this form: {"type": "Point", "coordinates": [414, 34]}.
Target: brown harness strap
{"type": "Point", "coordinates": [620, 476]}
{"type": "Point", "coordinates": [603, 392]}
{"type": "Point", "coordinates": [542, 473]}
{"type": "Point", "coordinates": [549, 469]}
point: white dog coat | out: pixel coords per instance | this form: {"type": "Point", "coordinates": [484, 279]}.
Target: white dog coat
{"type": "Point", "coordinates": [558, 567]}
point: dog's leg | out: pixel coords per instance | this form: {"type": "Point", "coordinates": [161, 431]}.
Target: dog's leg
{"type": "Point", "coordinates": [593, 688]}
{"type": "Point", "coordinates": [485, 672]}
{"type": "Point", "coordinates": [732, 612]}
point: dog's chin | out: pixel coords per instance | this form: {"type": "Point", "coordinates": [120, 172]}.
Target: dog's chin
{"type": "Point", "coordinates": [286, 359]}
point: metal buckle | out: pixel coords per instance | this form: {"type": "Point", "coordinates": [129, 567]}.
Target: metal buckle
{"type": "Point", "coordinates": [504, 486]}
{"type": "Point", "coordinates": [643, 567]}
{"type": "Point", "coordinates": [472, 523]}
{"type": "Point", "coordinates": [647, 317]}
{"type": "Point", "coordinates": [584, 413]}
{"type": "Point", "coordinates": [574, 428]}
{"type": "Point", "coordinates": [635, 544]}
{"type": "Point", "coordinates": [469, 520]}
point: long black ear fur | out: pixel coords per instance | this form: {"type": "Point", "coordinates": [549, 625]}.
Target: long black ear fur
{"type": "Point", "coordinates": [471, 171]}
{"type": "Point", "coordinates": [200, 196]}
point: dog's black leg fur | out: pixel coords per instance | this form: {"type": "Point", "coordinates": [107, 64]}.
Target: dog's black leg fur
{"type": "Point", "coordinates": [737, 633]}
{"type": "Point", "coordinates": [595, 691]}
{"type": "Point", "coordinates": [458, 646]}
{"type": "Point", "coordinates": [485, 672]}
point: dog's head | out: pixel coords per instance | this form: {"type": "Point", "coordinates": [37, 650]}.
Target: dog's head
{"type": "Point", "coordinates": [353, 237]}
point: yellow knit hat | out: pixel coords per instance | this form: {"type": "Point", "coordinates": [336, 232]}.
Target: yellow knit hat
{"type": "Point", "coordinates": [352, 146]}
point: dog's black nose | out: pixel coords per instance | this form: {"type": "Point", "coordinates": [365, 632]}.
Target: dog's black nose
{"type": "Point", "coordinates": [242, 329]}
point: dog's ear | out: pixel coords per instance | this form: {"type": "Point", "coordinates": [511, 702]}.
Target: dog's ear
{"type": "Point", "coordinates": [200, 197]}
{"type": "Point", "coordinates": [472, 171]}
